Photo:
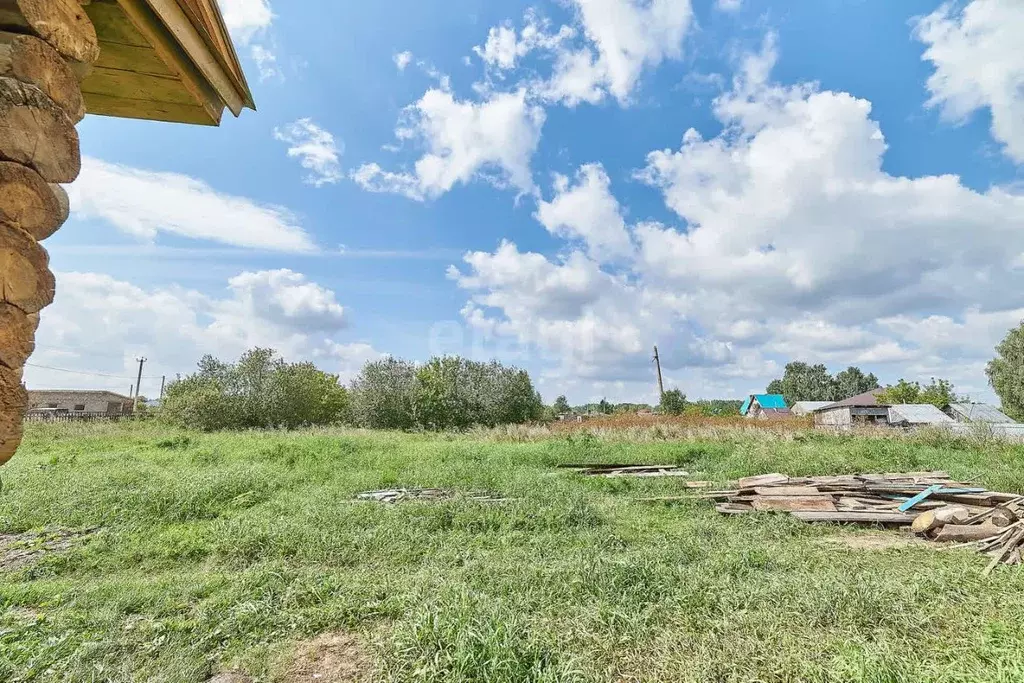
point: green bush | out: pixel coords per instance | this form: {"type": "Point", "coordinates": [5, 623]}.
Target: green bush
{"type": "Point", "coordinates": [444, 393]}
{"type": "Point", "coordinates": [259, 391]}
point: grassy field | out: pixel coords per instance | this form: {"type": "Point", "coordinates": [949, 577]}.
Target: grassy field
{"type": "Point", "coordinates": [210, 553]}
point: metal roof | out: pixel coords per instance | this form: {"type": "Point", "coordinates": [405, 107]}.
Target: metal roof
{"type": "Point", "coordinates": [918, 414]}
{"type": "Point", "coordinates": [766, 401]}
{"type": "Point", "coordinates": [980, 412]}
{"type": "Point", "coordinates": [868, 398]}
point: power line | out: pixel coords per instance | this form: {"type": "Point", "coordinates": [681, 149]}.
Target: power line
{"type": "Point", "coordinates": [83, 372]}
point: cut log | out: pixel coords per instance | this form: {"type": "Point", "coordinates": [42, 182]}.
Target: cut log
{"type": "Point", "coordinates": [933, 519]}
{"type": "Point", "coordinates": [13, 399]}
{"type": "Point", "coordinates": [856, 517]}
{"type": "Point", "coordinates": [963, 533]}
{"type": "Point", "coordinates": [61, 23]}
{"type": "Point", "coordinates": [1002, 517]}
{"type": "Point", "coordinates": [36, 132]}
{"type": "Point", "coordinates": [17, 335]}
{"type": "Point", "coordinates": [32, 61]}
{"type": "Point", "coordinates": [29, 202]}
{"type": "Point", "coordinates": [793, 503]}
{"type": "Point", "coordinates": [25, 277]}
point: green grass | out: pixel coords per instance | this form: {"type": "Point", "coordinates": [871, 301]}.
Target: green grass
{"type": "Point", "coordinates": [221, 551]}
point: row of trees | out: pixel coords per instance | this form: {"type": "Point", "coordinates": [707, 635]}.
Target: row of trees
{"type": "Point", "coordinates": [803, 382]}
{"type": "Point", "coordinates": [261, 390]}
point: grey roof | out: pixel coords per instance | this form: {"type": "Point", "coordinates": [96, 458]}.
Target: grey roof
{"type": "Point", "coordinates": [980, 412]}
{"type": "Point", "coordinates": [40, 394]}
{"type": "Point", "coordinates": [804, 407]}
{"type": "Point", "coordinates": [918, 414]}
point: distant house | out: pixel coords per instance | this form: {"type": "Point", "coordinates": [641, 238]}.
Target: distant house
{"type": "Point", "coordinates": [977, 413]}
{"type": "Point", "coordinates": [917, 415]}
{"type": "Point", "coordinates": [807, 407]}
{"type": "Point", "coordinates": [765, 406]}
{"type": "Point", "coordinates": [862, 409]}
{"type": "Point", "coordinates": [79, 401]}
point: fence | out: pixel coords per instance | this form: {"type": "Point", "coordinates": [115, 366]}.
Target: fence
{"type": "Point", "coordinates": [75, 416]}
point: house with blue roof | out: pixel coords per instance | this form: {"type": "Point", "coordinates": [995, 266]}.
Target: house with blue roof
{"type": "Point", "coordinates": [765, 406]}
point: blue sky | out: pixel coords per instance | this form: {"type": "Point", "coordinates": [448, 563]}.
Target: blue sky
{"type": "Point", "coordinates": [562, 185]}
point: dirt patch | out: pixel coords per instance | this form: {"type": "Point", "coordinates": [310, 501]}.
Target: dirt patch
{"type": "Point", "coordinates": [336, 657]}
{"type": "Point", "coordinates": [20, 550]}
{"type": "Point", "coordinates": [877, 541]}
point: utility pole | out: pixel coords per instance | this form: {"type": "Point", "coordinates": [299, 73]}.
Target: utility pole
{"type": "Point", "coordinates": [657, 363]}
{"type": "Point", "coordinates": [163, 381]}
{"type": "Point", "coordinates": [138, 384]}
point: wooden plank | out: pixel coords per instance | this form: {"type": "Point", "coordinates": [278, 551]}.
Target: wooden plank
{"type": "Point", "coordinates": [733, 509]}
{"type": "Point", "coordinates": [143, 60]}
{"type": "Point", "coordinates": [919, 497]}
{"type": "Point", "coordinates": [106, 105]}
{"type": "Point", "coordinates": [762, 480]}
{"type": "Point", "coordinates": [133, 86]}
{"type": "Point", "coordinates": [793, 503]}
{"type": "Point", "coordinates": [113, 25]}
{"type": "Point", "coordinates": [856, 517]}
{"type": "Point", "coordinates": [789, 491]}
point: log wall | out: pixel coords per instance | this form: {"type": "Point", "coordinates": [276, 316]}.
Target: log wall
{"type": "Point", "coordinates": [46, 48]}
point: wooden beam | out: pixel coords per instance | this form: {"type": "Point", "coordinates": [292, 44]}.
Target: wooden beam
{"type": "Point", "coordinates": [142, 60]}
{"type": "Point", "coordinates": [134, 86]}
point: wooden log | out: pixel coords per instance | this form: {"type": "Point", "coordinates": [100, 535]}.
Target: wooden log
{"type": "Point", "coordinates": [962, 533]}
{"type": "Point", "coordinates": [61, 23]}
{"type": "Point", "coordinates": [13, 399]}
{"type": "Point", "coordinates": [793, 503]}
{"type": "Point", "coordinates": [933, 519]}
{"type": "Point", "coordinates": [1002, 517]}
{"type": "Point", "coordinates": [25, 277]}
{"type": "Point", "coordinates": [17, 335]}
{"type": "Point", "coordinates": [36, 132]}
{"type": "Point", "coordinates": [32, 61]}
{"type": "Point", "coordinates": [29, 202]}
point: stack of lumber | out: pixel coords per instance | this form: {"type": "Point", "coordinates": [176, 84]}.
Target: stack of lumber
{"type": "Point", "coordinates": [618, 470]}
{"type": "Point", "coordinates": [930, 503]}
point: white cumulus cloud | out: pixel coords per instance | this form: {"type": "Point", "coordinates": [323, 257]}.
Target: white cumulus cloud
{"type": "Point", "coordinates": [979, 64]}
{"type": "Point", "coordinates": [315, 148]}
{"type": "Point", "coordinates": [587, 211]}
{"type": "Point", "coordinates": [98, 325]}
{"type": "Point", "coordinates": [402, 60]}
{"type": "Point", "coordinates": [462, 139]}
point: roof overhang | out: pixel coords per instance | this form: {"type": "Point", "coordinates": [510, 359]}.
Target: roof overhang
{"type": "Point", "coordinates": [164, 60]}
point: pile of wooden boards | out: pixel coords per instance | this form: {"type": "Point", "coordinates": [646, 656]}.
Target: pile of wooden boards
{"type": "Point", "coordinates": [929, 503]}
{"type": "Point", "coordinates": [618, 470]}
{"type": "Point", "coordinates": [426, 495]}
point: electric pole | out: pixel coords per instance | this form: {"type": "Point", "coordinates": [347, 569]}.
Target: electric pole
{"type": "Point", "coordinates": [657, 364]}
{"type": "Point", "coordinates": [163, 381]}
{"type": "Point", "coordinates": [138, 385]}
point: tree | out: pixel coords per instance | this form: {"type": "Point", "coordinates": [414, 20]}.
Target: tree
{"type": "Point", "coordinates": [853, 381]}
{"type": "Point", "coordinates": [383, 394]}
{"type": "Point", "coordinates": [260, 390]}
{"type": "Point", "coordinates": [673, 402]}
{"type": "Point", "coordinates": [1006, 372]}
{"type": "Point", "coordinates": [803, 382]}
{"type": "Point", "coordinates": [939, 393]}
{"type": "Point", "coordinates": [774, 387]}
{"type": "Point", "coordinates": [561, 406]}
{"type": "Point", "coordinates": [604, 407]}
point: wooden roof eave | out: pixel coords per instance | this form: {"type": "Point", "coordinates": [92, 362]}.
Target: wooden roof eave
{"type": "Point", "coordinates": [189, 50]}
